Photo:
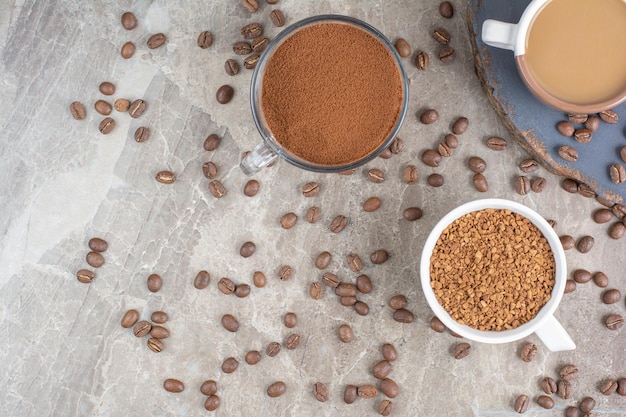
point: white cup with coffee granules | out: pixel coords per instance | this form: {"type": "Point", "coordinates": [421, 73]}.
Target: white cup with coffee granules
{"type": "Point", "coordinates": [494, 271]}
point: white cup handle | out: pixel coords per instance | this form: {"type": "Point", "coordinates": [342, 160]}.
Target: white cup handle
{"type": "Point", "coordinates": [554, 336]}
{"type": "Point", "coordinates": [499, 34]}
{"type": "Point", "coordinates": [260, 157]}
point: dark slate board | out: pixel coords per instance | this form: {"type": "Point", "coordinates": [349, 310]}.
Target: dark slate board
{"type": "Point", "coordinates": [533, 124]}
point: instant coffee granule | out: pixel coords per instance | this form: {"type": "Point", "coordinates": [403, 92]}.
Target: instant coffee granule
{"type": "Point", "coordinates": [331, 94]}
{"type": "Point", "coordinates": [492, 270]}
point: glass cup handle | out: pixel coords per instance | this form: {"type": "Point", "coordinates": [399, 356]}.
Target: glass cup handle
{"type": "Point", "coordinates": [554, 336]}
{"type": "Point", "coordinates": [260, 157]}
{"type": "Point", "coordinates": [499, 34]}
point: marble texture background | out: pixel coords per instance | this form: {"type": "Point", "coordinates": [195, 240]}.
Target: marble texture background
{"type": "Point", "coordinates": [63, 350]}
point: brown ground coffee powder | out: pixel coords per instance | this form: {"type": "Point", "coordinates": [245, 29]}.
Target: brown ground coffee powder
{"type": "Point", "coordinates": [331, 94]}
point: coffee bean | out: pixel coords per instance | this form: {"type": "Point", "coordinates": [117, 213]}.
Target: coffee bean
{"type": "Point", "coordinates": [348, 172]}
{"type": "Point", "coordinates": [592, 123]}
{"type": "Point", "coordinates": [259, 279]}
{"type": "Point", "coordinates": [372, 204]}
{"type": "Point", "coordinates": [251, 188]}
{"type": "Point", "coordinates": [451, 140]}
{"type": "Point", "coordinates": [567, 242]}
{"type": "Point", "coordinates": [529, 352]}
{"type": "Point", "coordinates": [611, 296]}
{"type": "Point", "coordinates": [435, 180]}
{"type": "Point", "coordinates": [290, 320]}
{"type": "Point", "coordinates": [565, 128]}
{"type": "Point", "coordinates": [350, 394]}
{"type": "Point", "coordinates": [431, 158]}
{"type": "Point", "coordinates": [617, 230]}
{"type": "Point", "coordinates": [364, 284]}
{"type": "Point", "coordinates": [209, 169]}
{"type": "Point", "coordinates": [586, 191]}
{"type": "Point", "coordinates": [129, 21]}
{"type": "Point", "coordinates": [259, 44]}
{"type": "Point", "coordinates": [211, 142]}
{"type": "Point", "coordinates": [208, 387]}
{"type": "Point", "coordinates": [403, 47]}
{"type": "Point", "coordinates": [608, 387]}
{"type": "Point", "coordinates": [273, 349]}
{"type": "Point", "coordinates": [77, 110]}
{"type": "Point", "coordinates": [521, 404]}
{"type": "Point", "coordinates": [205, 39]}
{"type": "Point", "coordinates": [252, 6]}
{"type": "Point", "coordinates": [277, 388]}
{"type": "Point", "coordinates": [141, 134]}
{"type": "Point", "coordinates": [447, 54]}
{"type": "Point", "coordinates": [156, 40]}
{"type": "Point", "coordinates": [619, 210]}
{"type": "Point", "coordinates": [348, 301]}
{"type": "Point", "coordinates": [230, 365]}
{"type": "Point", "coordinates": [137, 108]}
{"type": "Point", "coordinates": [385, 408]}
{"type": "Point", "coordinates": [329, 279]}
{"type": "Point", "coordinates": [338, 224]}
{"type": "Point", "coordinates": [386, 154]}
{"type": "Point", "coordinates": [545, 402]}
{"type": "Point", "coordinates": [601, 216]}
{"type": "Point", "coordinates": [548, 385]}
{"type": "Point", "coordinates": [572, 411]}
{"type": "Point", "coordinates": [345, 289]}
{"type": "Point", "coordinates": [577, 118]}
{"type": "Point", "coordinates": [159, 317]}
{"type": "Point", "coordinates": [422, 60]}
{"type": "Point", "coordinates": [212, 403]}
{"type": "Point", "coordinates": [600, 279]}
{"type": "Point", "coordinates": [128, 50]}
{"type": "Point", "coordinates": [217, 189]}
{"type": "Point", "coordinates": [247, 249]}
{"type": "Point", "coordinates": [106, 125]}
{"type": "Point", "coordinates": [165, 177]}
{"type": "Point", "coordinates": [389, 352]}
{"type": "Point", "coordinates": [159, 332]}
{"type": "Point", "coordinates": [316, 291]}
{"type": "Point", "coordinates": [429, 116]}
{"type": "Point", "coordinates": [538, 184]}
{"type": "Point", "coordinates": [444, 150]}
{"type": "Point", "coordinates": [569, 185]}
{"type": "Point", "coordinates": [412, 213]}
{"type": "Point", "coordinates": [480, 183]}
{"type": "Point", "coordinates": [568, 153]}
{"type": "Point", "coordinates": [403, 316]}
{"type": "Point", "coordinates": [230, 323]}
{"type": "Point", "coordinates": [496, 144]}
{"type": "Point", "coordinates": [437, 325]}
{"type": "Point", "coordinates": [582, 276]}
{"type": "Point", "coordinates": [231, 67]}
{"type": "Point", "coordinates": [570, 286]}
{"type": "Point", "coordinates": [460, 125]}
{"type": "Point", "coordinates": [94, 259]}
{"type": "Point", "coordinates": [354, 262]}
{"type": "Point", "coordinates": [587, 404]}
{"type": "Point", "coordinates": [226, 286]}
{"type": "Point", "coordinates": [410, 174]}
{"type": "Point", "coordinates": [446, 10]}
{"type": "Point", "coordinates": [379, 256]}
{"type": "Point", "coordinates": [617, 173]}
{"type": "Point", "coordinates": [224, 94]}
{"type": "Point", "coordinates": [154, 282]}
{"type": "Point", "coordinates": [367, 391]}
{"type": "Point", "coordinates": [310, 189]}
{"type": "Point", "coordinates": [250, 61]}
{"type": "Point", "coordinates": [323, 260]}
{"type": "Point", "coordinates": [528, 165]}
{"type": "Point", "coordinates": [398, 301]}
{"type": "Point", "coordinates": [585, 244]}
{"type": "Point", "coordinates": [107, 88]}
{"type": "Point", "coordinates": [103, 107]}
{"type": "Point", "coordinates": [522, 185]}
{"type": "Point", "coordinates": [461, 350]}
{"type": "Point", "coordinates": [609, 116]}
{"type": "Point", "coordinates": [313, 214]}
{"type": "Point", "coordinates": [97, 244]}
{"type": "Point", "coordinates": [285, 272]}
{"type": "Point", "coordinates": [569, 372]}
{"type": "Point", "coordinates": [441, 35]}
{"type": "Point", "coordinates": [381, 369]}
{"type": "Point", "coordinates": [173, 385]}
{"type": "Point", "coordinates": [376, 175]}
{"type": "Point", "coordinates": [252, 30]}
{"type": "Point", "coordinates": [277, 17]}
{"type": "Point", "coordinates": [476, 164]}
{"type": "Point", "coordinates": [142, 328]}
{"type": "Point", "coordinates": [253, 357]}
{"type": "Point", "coordinates": [389, 387]}
{"type": "Point", "coordinates": [564, 389]}
{"type": "Point", "coordinates": [130, 318]}
{"type": "Point", "coordinates": [361, 308]}
{"type": "Point", "coordinates": [583, 135]}
{"type": "Point", "coordinates": [202, 280]}
{"type": "Point", "coordinates": [621, 386]}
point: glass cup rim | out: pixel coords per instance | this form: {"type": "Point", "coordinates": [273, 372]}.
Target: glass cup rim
{"type": "Point", "coordinates": [257, 79]}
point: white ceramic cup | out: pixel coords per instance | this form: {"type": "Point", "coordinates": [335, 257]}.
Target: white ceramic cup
{"type": "Point", "coordinates": [544, 325]}
{"type": "Point", "coordinates": [514, 36]}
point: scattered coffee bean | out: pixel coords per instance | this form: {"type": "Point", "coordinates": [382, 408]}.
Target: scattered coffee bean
{"type": "Point", "coordinates": [285, 272]}
{"type": "Point", "coordinates": [431, 158]}
{"type": "Point", "coordinates": [290, 320]}
{"type": "Point", "coordinates": [157, 40]}
{"type": "Point", "coordinates": [545, 402]}
{"type": "Point", "coordinates": [338, 224]}
{"type": "Point", "coordinates": [364, 284]}
{"type": "Point", "coordinates": [564, 389]}
{"type": "Point", "coordinates": [460, 125]}
{"type": "Point", "coordinates": [565, 128]}
{"type": "Point", "coordinates": [577, 118]}
{"type": "Point", "coordinates": [231, 67]}
{"type": "Point", "coordinates": [447, 54]}
{"type": "Point", "coordinates": [130, 318]}
{"type": "Point", "coordinates": [617, 230]}
{"type": "Point", "coordinates": [141, 134]}
{"type": "Point", "coordinates": [224, 94]}
{"type": "Point", "coordinates": [354, 262]}
{"type": "Point", "coordinates": [313, 214]}
{"type": "Point", "coordinates": [372, 204]}
{"type": "Point", "coordinates": [569, 372]}
{"type": "Point", "coordinates": [277, 17]}
{"type": "Point", "coordinates": [581, 276]}
{"type": "Point", "coordinates": [569, 154]}
{"type": "Point", "coordinates": [480, 183]}
{"type": "Point", "coordinates": [619, 210]}
{"type": "Point", "coordinates": [310, 189]}
{"type": "Point", "coordinates": [320, 392]}
{"type": "Point", "coordinates": [621, 386]}
{"type": "Point", "coordinates": [435, 180]}
{"type": "Point", "coordinates": [259, 44]}
{"type": "Point", "coordinates": [444, 150]}
{"type": "Point", "coordinates": [252, 30]}
{"type": "Point", "coordinates": [208, 387]}
{"type": "Point", "coordinates": [548, 385]}
{"type": "Point", "coordinates": [330, 279]}
{"type": "Point", "coordinates": [496, 144]}
{"type": "Point", "coordinates": [622, 153]}
{"type": "Point", "coordinates": [361, 308]}
{"type": "Point", "coordinates": [385, 408]}
{"type": "Point", "coordinates": [323, 260]}
{"type": "Point", "coordinates": [603, 215]}
{"type": "Point", "coordinates": [226, 286]}
{"type": "Point", "coordinates": [422, 60]}
{"type": "Point", "coordinates": [521, 404]}
{"type": "Point", "coordinates": [538, 184]}
{"type": "Point", "coordinates": [316, 290]}
{"type": "Point", "coordinates": [247, 249]}
{"type": "Point", "coordinates": [446, 10]}
{"type": "Point", "coordinates": [230, 323]}
{"type": "Point", "coordinates": [205, 39]}
{"type": "Point", "coordinates": [608, 387]}
{"type": "Point", "coordinates": [609, 116]}
{"type": "Point", "coordinates": [611, 296]}
{"type": "Point", "coordinates": [367, 391]}
{"type": "Point", "coordinates": [412, 213]}
{"type": "Point", "coordinates": [159, 317]}
{"type": "Point", "coordinates": [398, 301]}
{"type": "Point", "coordinates": [429, 116]}
{"type": "Point", "coordinates": [586, 191]}
{"type": "Point", "coordinates": [272, 349]}
{"type": "Point", "coordinates": [97, 244]}
{"type": "Point", "coordinates": [211, 142]}
{"type": "Point", "coordinates": [461, 350]}
{"type": "Point", "coordinates": [600, 279]}
{"type": "Point", "coordinates": [587, 404]}
{"type": "Point", "coordinates": [129, 21]}
{"type": "Point", "coordinates": [411, 173]}
{"type": "Point", "coordinates": [348, 172]}
{"type": "Point", "coordinates": [250, 61]}
{"type": "Point", "coordinates": [437, 325]}
{"type": "Point", "coordinates": [348, 301]}
{"type": "Point", "coordinates": [259, 279]}
{"type": "Point", "coordinates": [592, 123]}
{"type": "Point", "coordinates": [528, 165]}
{"type": "Point", "coordinates": [583, 135]}
{"type": "Point", "coordinates": [451, 140]}
{"type": "Point", "coordinates": [202, 280]}
{"type": "Point", "coordinates": [137, 108]}
{"type": "Point", "coordinates": [209, 169]}
{"type": "Point", "coordinates": [389, 387]}
{"type": "Point", "coordinates": [572, 411]}
{"type": "Point", "coordinates": [381, 369]}
{"type": "Point", "coordinates": [403, 316]}
{"type": "Point", "coordinates": [346, 289]}
{"type": "Point", "coordinates": [276, 389]}
{"type": "Point", "coordinates": [522, 185]}
{"type": "Point", "coordinates": [617, 173]}
{"type": "Point", "coordinates": [403, 47]}
{"type": "Point", "coordinates": [159, 332]}
{"type": "Point", "coordinates": [292, 341]}
{"type": "Point", "coordinates": [477, 164]}
{"type": "Point", "coordinates": [103, 107]}
{"type": "Point", "coordinates": [569, 185]}
{"type": "Point", "coordinates": [585, 244]}
{"type": "Point", "coordinates": [77, 110]}
{"type": "Point", "coordinates": [253, 357]}
{"type": "Point", "coordinates": [567, 242]}
{"type": "Point", "coordinates": [376, 175]}
{"type": "Point", "coordinates": [154, 282]}
{"type": "Point", "coordinates": [106, 125]}
{"type": "Point", "coordinates": [95, 259]}
{"type": "Point", "coordinates": [441, 35]}
{"type": "Point", "coordinates": [350, 394]}
{"type": "Point", "coordinates": [252, 6]}
{"type": "Point", "coordinates": [165, 177]}
{"type": "Point", "coordinates": [230, 365]}
{"type": "Point", "coordinates": [251, 188]}
{"type": "Point", "coordinates": [212, 403]}
{"type": "Point", "coordinates": [529, 352]}
{"type": "Point", "coordinates": [570, 286]}
{"type": "Point", "coordinates": [142, 328]}
{"type": "Point", "coordinates": [128, 50]}
{"type": "Point", "coordinates": [379, 256]}
{"type": "Point", "coordinates": [217, 189]}
{"type": "Point", "coordinates": [173, 385]}
{"type": "Point", "coordinates": [107, 88]}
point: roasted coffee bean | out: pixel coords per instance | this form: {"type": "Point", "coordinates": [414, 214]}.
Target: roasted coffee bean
{"type": "Point", "coordinates": [323, 260]}
{"type": "Point", "coordinates": [97, 244]}
{"type": "Point", "coordinates": [568, 153]}
{"type": "Point", "coordinates": [154, 282]}
{"type": "Point", "coordinates": [95, 259]}
{"type": "Point", "coordinates": [381, 369]}
{"type": "Point", "coordinates": [461, 350]}
{"type": "Point", "coordinates": [552, 223]}
{"type": "Point", "coordinates": [538, 184]}
{"type": "Point", "coordinates": [410, 174]}
{"type": "Point", "coordinates": [159, 332]}
{"type": "Point", "coordinates": [480, 183]}
{"type": "Point", "coordinates": [106, 125]}
{"type": "Point", "coordinates": [592, 123]}
{"type": "Point", "coordinates": [129, 21]}
{"type": "Point", "coordinates": [338, 224]}
{"type": "Point", "coordinates": [586, 191]}
{"type": "Point", "coordinates": [142, 328]}
{"type": "Point", "coordinates": [310, 189]}
{"type": "Point", "coordinates": [217, 189]}
{"type": "Point", "coordinates": [412, 213]}
{"type": "Point", "coordinates": [77, 110]}
{"type": "Point", "coordinates": [621, 386]}
{"type": "Point", "coordinates": [372, 204]}
{"type": "Point", "coordinates": [128, 50]}
{"type": "Point", "coordinates": [389, 352]}
{"type": "Point", "coordinates": [572, 411]}
{"type": "Point", "coordinates": [460, 125]}
{"type": "Point", "coordinates": [447, 54]}
{"type": "Point", "coordinates": [251, 188]}
{"type": "Point", "coordinates": [437, 325]}
{"type": "Point", "coordinates": [403, 316]}
{"type": "Point", "coordinates": [247, 249]}
{"type": "Point", "coordinates": [285, 272]}
{"type": "Point", "coordinates": [444, 150]}
{"type": "Point", "coordinates": [276, 389]}
{"type": "Point", "coordinates": [609, 116]}
{"type": "Point", "coordinates": [141, 134]}
{"type": "Point", "coordinates": [230, 365]}
{"type": "Point", "coordinates": [107, 88]}
{"type": "Point", "coordinates": [435, 180]}
{"type": "Point", "coordinates": [212, 403]}
{"type": "Point", "coordinates": [278, 18]}
{"type": "Point", "coordinates": [429, 116]}
{"type": "Point", "coordinates": [529, 352]}
{"type": "Point", "coordinates": [496, 143]}
{"type": "Point", "coordinates": [231, 67]}
{"type": "Point", "coordinates": [156, 40]}
{"type": "Point", "coordinates": [354, 262]}
{"type": "Point", "coordinates": [545, 402]}
{"type": "Point", "coordinates": [397, 146]}
{"type": "Point", "coordinates": [250, 61]}
{"type": "Point", "coordinates": [211, 142]}
{"type": "Point", "coordinates": [252, 6]}
{"type": "Point", "coordinates": [202, 280]}
{"type": "Point", "coordinates": [208, 387]}
{"type": "Point", "coordinates": [348, 172]}
{"type": "Point", "coordinates": [583, 135]}
{"type": "Point", "coordinates": [252, 30]}
{"type": "Point", "coordinates": [446, 10]}
{"type": "Point", "coordinates": [272, 349]}
{"type": "Point", "coordinates": [330, 279]}
{"type": "Point", "coordinates": [316, 290]}
{"type": "Point", "coordinates": [577, 118]}
{"type": "Point", "coordinates": [159, 317]}
{"type": "Point", "coordinates": [569, 185]}
{"type": "Point", "coordinates": [603, 215]}
{"type": "Point", "coordinates": [619, 210]}
{"type": "Point", "coordinates": [587, 404]}
{"type": "Point", "coordinates": [564, 389]}
{"type": "Point", "coordinates": [528, 165]}
{"type": "Point", "coordinates": [290, 320]}
{"type": "Point", "coordinates": [522, 185]}
{"type": "Point", "coordinates": [173, 385]}
{"type": "Point", "coordinates": [346, 289]}
{"type": "Point", "coordinates": [570, 286]}
{"type": "Point", "coordinates": [431, 158]}
{"type": "Point", "coordinates": [137, 108]}
{"type": "Point", "coordinates": [165, 177]}
{"type": "Point", "coordinates": [364, 284]}
{"type": "Point", "coordinates": [398, 301]}
{"type": "Point", "coordinates": [226, 286]}
{"type": "Point", "coordinates": [103, 107]}
{"type": "Point", "coordinates": [451, 140]}
{"type": "Point", "coordinates": [259, 279]}
{"type": "Point", "coordinates": [209, 169]}
{"type": "Point", "coordinates": [403, 47]}
{"type": "Point", "coordinates": [348, 301]}
{"type": "Point", "coordinates": [259, 44]}
{"type": "Point", "coordinates": [130, 318]}
{"type": "Point", "coordinates": [441, 35]}
{"type": "Point", "coordinates": [313, 214]}
{"type": "Point", "coordinates": [611, 296]}
{"type": "Point", "coordinates": [617, 173]}
{"type": "Point", "coordinates": [389, 387]}
{"type": "Point", "coordinates": [367, 391]}
{"type": "Point", "coordinates": [548, 385]}
{"type": "Point", "coordinates": [385, 408]}
{"type": "Point", "coordinates": [205, 39]}
{"type": "Point", "coordinates": [292, 341]}
{"type": "Point", "coordinates": [422, 60]}
{"type": "Point", "coordinates": [608, 387]}
{"type": "Point", "coordinates": [230, 323]}
{"type": "Point", "coordinates": [622, 153]}
{"type": "Point", "coordinates": [581, 276]}
{"type": "Point", "coordinates": [376, 175]}
{"type": "Point", "coordinates": [521, 404]}
{"type": "Point", "coordinates": [477, 164]}
{"type": "Point", "coordinates": [585, 244]}
{"type": "Point", "coordinates": [616, 231]}
{"type": "Point", "coordinates": [569, 372]}
{"type": "Point", "coordinates": [361, 308]}
{"type": "Point", "coordinates": [350, 394]}
{"type": "Point", "coordinates": [567, 242]}
{"type": "Point", "coordinates": [253, 357]}
{"type": "Point", "coordinates": [600, 279]}
{"type": "Point", "coordinates": [379, 256]}
{"type": "Point", "coordinates": [320, 392]}
{"type": "Point", "coordinates": [565, 128]}
{"type": "Point", "coordinates": [224, 94]}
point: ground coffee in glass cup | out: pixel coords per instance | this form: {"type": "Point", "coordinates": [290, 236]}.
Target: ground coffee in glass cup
{"type": "Point", "coordinates": [328, 95]}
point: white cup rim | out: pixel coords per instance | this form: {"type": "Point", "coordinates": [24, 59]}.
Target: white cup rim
{"type": "Point", "coordinates": [544, 314]}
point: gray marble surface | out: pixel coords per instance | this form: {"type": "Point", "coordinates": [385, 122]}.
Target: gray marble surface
{"type": "Point", "coordinates": [63, 350]}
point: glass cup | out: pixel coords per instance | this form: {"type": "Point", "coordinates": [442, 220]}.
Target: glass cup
{"type": "Point", "coordinates": [270, 149]}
